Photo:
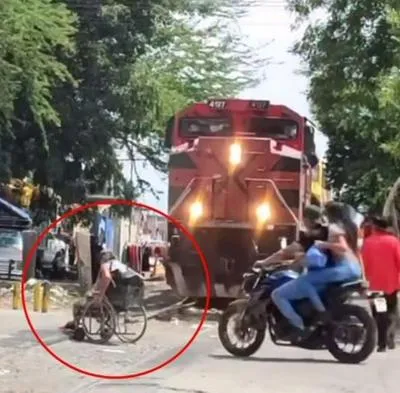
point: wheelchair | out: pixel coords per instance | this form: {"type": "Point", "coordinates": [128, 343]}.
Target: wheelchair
{"type": "Point", "coordinates": [120, 313]}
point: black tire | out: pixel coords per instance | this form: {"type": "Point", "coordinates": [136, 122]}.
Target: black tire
{"type": "Point", "coordinates": [237, 307]}
{"type": "Point", "coordinates": [107, 321]}
{"type": "Point", "coordinates": [370, 340]}
{"type": "Point", "coordinates": [79, 334]}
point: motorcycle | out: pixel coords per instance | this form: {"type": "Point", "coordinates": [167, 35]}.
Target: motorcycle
{"type": "Point", "coordinates": [253, 315]}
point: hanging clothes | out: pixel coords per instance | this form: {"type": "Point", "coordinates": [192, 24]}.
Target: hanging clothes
{"type": "Point", "coordinates": [109, 233]}
{"type": "Point", "coordinates": [101, 230]}
{"type": "Point", "coordinates": [125, 255]}
{"type": "Point", "coordinates": [134, 257]}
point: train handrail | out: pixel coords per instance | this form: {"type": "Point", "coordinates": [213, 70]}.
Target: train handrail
{"type": "Point", "coordinates": [187, 191]}
{"type": "Point", "coordinates": [279, 196]}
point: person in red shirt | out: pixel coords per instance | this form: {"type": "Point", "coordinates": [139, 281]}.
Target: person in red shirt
{"type": "Point", "coordinates": [381, 257]}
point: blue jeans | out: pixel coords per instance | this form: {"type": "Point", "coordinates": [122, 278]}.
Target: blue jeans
{"type": "Point", "coordinates": [308, 286]}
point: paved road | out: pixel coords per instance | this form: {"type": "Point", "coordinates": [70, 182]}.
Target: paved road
{"type": "Point", "coordinates": [208, 369]}
{"type": "Point", "coordinates": [205, 368]}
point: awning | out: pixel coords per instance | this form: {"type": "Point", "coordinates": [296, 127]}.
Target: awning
{"type": "Point", "coordinates": [12, 216]}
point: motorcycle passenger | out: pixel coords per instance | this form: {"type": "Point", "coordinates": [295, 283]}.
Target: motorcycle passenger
{"type": "Point", "coordinates": [343, 266]}
{"type": "Point", "coordinates": [343, 245]}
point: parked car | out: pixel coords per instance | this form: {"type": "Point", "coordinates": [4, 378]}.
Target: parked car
{"type": "Point", "coordinates": [53, 258]}
{"type": "Point", "coordinates": [11, 254]}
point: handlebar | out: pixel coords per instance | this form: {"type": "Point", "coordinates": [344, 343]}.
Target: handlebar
{"type": "Point", "coordinates": [263, 269]}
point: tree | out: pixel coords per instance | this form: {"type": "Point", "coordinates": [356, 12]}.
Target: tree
{"type": "Point", "coordinates": [345, 56]}
{"type": "Point", "coordinates": [389, 93]}
{"type": "Point", "coordinates": [31, 33]}
{"type": "Point", "coordinates": [135, 63]}
{"type": "Point", "coordinates": [196, 54]}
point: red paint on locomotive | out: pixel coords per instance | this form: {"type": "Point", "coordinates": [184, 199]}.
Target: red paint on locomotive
{"type": "Point", "coordinates": [238, 169]}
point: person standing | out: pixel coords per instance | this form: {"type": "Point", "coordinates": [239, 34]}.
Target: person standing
{"type": "Point", "coordinates": [381, 257]}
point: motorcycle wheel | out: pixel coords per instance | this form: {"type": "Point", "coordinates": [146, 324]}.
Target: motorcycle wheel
{"type": "Point", "coordinates": [369, 326]}
{"type": "Point", "coordinates": [234, 310]}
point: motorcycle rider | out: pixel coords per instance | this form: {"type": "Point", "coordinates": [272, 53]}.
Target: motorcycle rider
{"type": "Point", "coordinates": [314, 228]}
{"type": "Point", "coordinates": [341, 243]}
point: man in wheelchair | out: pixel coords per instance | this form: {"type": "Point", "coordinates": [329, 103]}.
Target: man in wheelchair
{"type": "Point", "coordinates": [109, 267]}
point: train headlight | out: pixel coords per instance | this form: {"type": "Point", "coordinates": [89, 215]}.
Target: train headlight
{"type": "Point", "coordinates": [263, 212]}
{"type": "Point", "coordinates": [235, 154]}
{"type": "Point", "coordinates": [196, 210]}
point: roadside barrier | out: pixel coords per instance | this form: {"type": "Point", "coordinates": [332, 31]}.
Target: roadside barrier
{"type": "Point", "coordinates": [46, 296]}
{"type": "Point", "coordinates": [16, 296]}
{"type": "Point", "coordinates": [40, 300]}
{"type": "Point", "coordinates": [37, 297]}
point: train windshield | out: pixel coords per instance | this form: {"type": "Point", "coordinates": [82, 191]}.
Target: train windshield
{"type": "Point", "coordinates": [200, 126]}
{"type": "Point", "coordinates": [273, 128]}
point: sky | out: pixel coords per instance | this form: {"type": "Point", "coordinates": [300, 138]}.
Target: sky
{"type": "Point", "coordinates": [269, 23]}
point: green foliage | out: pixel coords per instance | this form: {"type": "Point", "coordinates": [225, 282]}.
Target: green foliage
{"type": "Point", "coordinates": [346, 54]}
{"type": "Point", "coordinates": [31, 32]}
{"type": "Point", "coordinates": [82, 80]}
{"type": "Point", "coordinates": [188, 59]}
{"type": "Point", "coordinates": [389, 94]}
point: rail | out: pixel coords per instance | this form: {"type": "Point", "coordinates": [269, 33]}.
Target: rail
{"type": "Point", "coordinates": [187, 191]}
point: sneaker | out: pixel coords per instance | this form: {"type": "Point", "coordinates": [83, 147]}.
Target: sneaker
{"type": "Point", "coordinates": [69, 326]}
{"type": "Point", "coordinates": [298, 335]}
{"type": "Point", "coordinates": [322, 318]}
{"type": "Point", "coordinates": [381, 349]}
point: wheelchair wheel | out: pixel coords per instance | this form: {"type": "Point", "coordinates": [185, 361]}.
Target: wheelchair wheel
{"type": "Point", "coordinates": [98, 321]}
{"type": "Point", "coordinates": [131, 324]}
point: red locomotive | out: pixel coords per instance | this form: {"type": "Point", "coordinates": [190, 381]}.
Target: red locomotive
{"type": "Point", "coordinates": [240, 173]}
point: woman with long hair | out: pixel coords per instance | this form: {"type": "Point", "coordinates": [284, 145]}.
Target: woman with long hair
{"type": "Point", "coordinates": [342, 244]}
{"type": "Point", "coordinates": [342, 265]}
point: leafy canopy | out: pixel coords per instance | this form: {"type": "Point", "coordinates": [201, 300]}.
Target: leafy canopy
{"type": "Point", "coordinates": [347, 54]}
{"type": "Point", "coordinates": [31, 33]}
{"type": "Point", "coordinates": [83, 80]}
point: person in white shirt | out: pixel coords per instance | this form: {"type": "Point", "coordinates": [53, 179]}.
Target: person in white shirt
{"type": "Point", "coordinates": [108, 264]}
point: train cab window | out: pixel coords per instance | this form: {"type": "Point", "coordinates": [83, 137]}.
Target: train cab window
{"type": "Point", "coordinates": [283, 129]}
{"type": "Point", "coordinates": [309, 143]}
{"type": "Point", "coordinates": [201, 126]}
{"type": "Point", "coordinates": [309, 146]}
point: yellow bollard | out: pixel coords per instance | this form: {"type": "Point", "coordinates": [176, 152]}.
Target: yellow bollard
{"type": "Point", "coordinates": [16, 300]}
{"type": "Point", "coordinates": [46, 296]}
{"type": "Point", "coordinates": [37, 297]}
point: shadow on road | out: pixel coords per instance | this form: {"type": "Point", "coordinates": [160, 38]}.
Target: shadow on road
{"type": "Point", "coordinates": [25, 338]}
{"type": "Point", "coordinates": [275, 360]}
